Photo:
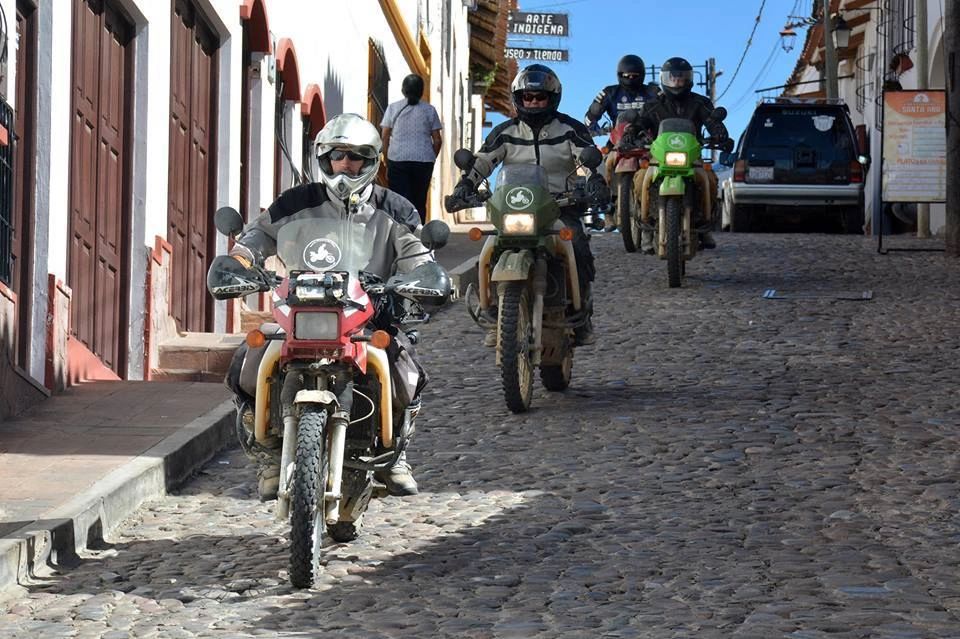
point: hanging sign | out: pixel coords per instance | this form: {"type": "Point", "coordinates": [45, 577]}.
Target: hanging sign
{"type": "Point", "coordinates": [914, 146]}
{"type": "Point", "coordinates": [538, 24]}
{"type": "Point", "coordinates": [540, 55]}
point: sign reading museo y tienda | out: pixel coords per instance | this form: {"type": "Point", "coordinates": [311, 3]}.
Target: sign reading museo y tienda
{"type": "Point", "coordinates": [914, 146]}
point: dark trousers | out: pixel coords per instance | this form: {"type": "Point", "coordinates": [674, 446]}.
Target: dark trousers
{"type": "Point", "coordinates": [411, 180]}
{"type": "Point", "coordinates": [581, 247]}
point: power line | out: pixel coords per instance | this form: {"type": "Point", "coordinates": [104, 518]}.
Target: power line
{"type": "Point", "coordinates": [749, 42]}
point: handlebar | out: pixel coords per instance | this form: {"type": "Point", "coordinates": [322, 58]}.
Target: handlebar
{"type": "Point", "coordinates": [455, 203]}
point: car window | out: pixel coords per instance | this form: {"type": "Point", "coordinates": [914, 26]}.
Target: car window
{"type": "Point", "coordinates": [825, 131]}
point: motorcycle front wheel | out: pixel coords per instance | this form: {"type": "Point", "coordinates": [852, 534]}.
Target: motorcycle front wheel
{"type": "Point", "coordinates": [674, 249]}
{"type": "Point", "coordinates": [516, 332]}
{"type": "Point", "coordinates": [306, 502]}
{"type": "Point", "coordinates": [626, 212]}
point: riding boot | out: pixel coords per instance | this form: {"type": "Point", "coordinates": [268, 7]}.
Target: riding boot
{"type": "Point", "coordinates": [266, 454]}
{"type": "Point", "coordinates": [646, 242]}
{"type": "Point", "coordinates": [398, 478]}
{"type": "Point", "coordinates": [490, 336]}
{"type": "Point", "coordinates": [706, 240]}
{"type": "Point", "coordinates": [583, 334]}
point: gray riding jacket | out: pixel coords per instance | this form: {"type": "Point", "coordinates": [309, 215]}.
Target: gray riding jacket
{"type": "Point", "coordinates": [555, 146]}
{"type": "Point", "coordinates": [378, 212]}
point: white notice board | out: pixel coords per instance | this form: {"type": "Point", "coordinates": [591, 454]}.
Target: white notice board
{"type": "Point", "coordinates": [914, 146]}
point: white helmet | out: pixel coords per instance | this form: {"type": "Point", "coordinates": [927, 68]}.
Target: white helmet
{"type": "Point", "coordinates": [353, 133]}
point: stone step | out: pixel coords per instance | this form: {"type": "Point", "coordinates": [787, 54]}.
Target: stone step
{"type": "Point", "coordinates": [178, 375]}
{"type": "Point", "coordinates": [250, 320]}
{"type": "Point", "coordinates": [201, 355]}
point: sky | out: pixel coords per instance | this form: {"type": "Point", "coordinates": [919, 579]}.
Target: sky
{"type": "Point", "coordinates": [602, 31]}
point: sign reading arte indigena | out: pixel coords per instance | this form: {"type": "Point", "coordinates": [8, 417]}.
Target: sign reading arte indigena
{"type": "Point", "coordinates": [914, 146]}
{"type": "Point", "coordinates": [540, 24]}
{"type": "Point", "coordinates": [541, 55]}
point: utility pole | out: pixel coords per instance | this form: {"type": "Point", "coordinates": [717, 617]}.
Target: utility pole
{"type": "Point", "coordinates": [923, 73]}
{"type": "Point", "coordinates": [952, 51]}
{"type": "Point", "coordinates": [830, 63]}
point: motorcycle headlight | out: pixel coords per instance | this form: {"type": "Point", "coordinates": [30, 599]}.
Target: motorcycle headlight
{"type": "Point", "coordinates": [676, 158]}
{"type": "Point", "coordinates": [317, 326]}
{"type": "Point", "coordinates": [519, 224]}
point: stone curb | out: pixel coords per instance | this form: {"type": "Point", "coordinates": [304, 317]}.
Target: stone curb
{"type": "Point", "coordinates": [60, 539]}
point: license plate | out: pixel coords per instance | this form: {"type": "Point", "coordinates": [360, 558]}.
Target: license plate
{"type": "Point", "coordinates": [760, 173]}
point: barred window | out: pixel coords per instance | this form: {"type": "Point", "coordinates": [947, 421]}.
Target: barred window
{"type": "Point", "coordinates": [378, 83]}
{"type": "Point", "coordinates": [6, 198]}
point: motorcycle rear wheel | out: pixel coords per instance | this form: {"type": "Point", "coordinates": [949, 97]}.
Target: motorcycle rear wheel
{"type": "Point", "coordinates": [556, 377]}
{"type": "Point", "coordinates": [626, 212]}
{"type": "Point", "coordinates": [306, 500]}
{"type": "Point", "coordinates": [516, 331]}
{"type": "Point", "coordinates": [674, 250]}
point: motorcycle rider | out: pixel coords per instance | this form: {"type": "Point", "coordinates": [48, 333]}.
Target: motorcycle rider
{"type": "Point", "coordinates": [348, 152]}
{"type": "Point", "coordinates": [678, 100]}
{"type": "Point", "coordinates": [540, 134]}
{"type": "Point", "coordinates": [630, 93]}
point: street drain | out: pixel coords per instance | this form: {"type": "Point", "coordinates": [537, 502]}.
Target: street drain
{"type": "Point", "coordinates": [774, 294]}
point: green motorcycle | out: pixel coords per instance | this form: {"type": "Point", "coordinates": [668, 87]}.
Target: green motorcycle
{"type": "Point", "coordinates": [527, 274]}
{"type": "Point", "coordinates": [678, 181]}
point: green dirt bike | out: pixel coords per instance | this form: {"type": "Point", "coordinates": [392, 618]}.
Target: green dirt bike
{"type": "Point", "coordinates": [529, 260]}
{"type": "Point", "coordinates": [677, 180]}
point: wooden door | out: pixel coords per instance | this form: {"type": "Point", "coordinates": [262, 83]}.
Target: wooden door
{"type": "Point", "coordinates": [193, 58]}
{"type": "Point", "coordinates": [100, 179]}
{"type": "Point", "coordinates": [24, 160]}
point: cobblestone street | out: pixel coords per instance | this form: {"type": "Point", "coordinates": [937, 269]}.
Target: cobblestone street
{"type": "Point", "coordinates": [723, 465]}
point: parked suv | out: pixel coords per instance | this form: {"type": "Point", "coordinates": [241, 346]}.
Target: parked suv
{"type": "Point", "coordinates": [797, 157]}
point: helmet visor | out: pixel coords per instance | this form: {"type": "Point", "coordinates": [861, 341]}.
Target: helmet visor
{"type": "Point", "coordinates": [676, 79]}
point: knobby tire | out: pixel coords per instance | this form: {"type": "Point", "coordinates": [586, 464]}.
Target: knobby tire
{"type": "Point", "coordinates": [516, 368]}
{"type": "Point", "coordinates": [674, 249]}
{"type": "Point", "coordinates": [306, 500]}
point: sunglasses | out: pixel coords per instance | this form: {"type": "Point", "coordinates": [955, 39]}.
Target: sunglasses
{"type": "Point", "coordinates": [339, 154]}
{"type": "Point", "coordinates": [534, 97]}
{"type": "Point", "coordinates": [630, 76]}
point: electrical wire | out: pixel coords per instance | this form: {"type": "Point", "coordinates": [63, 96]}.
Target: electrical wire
{"type": "Point", "coordinates": [747, 48]}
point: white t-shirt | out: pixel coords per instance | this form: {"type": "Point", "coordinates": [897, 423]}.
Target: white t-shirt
{"type": "Point", "coordinates": [412, 127]}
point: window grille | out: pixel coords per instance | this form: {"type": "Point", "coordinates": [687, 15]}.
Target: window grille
{"type": "Point", "coordinates": [6, 197]}
{"type": "Point", "coordinates": [378, 84]}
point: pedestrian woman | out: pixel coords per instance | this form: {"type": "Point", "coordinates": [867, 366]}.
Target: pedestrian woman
{"type": "Point", "coordinates": [411, 142]}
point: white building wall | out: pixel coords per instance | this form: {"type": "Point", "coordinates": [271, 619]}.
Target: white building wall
{"type": "Point", "coordinates": [331, 43]}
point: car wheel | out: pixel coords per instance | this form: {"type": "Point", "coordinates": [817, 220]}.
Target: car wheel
{"type": "Point", "coordinates": [853, 220]}
{"type": "Point", "coordinates": [740, 218]}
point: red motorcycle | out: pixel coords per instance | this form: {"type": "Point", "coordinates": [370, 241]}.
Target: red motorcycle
{"type": "Point", "coordinates": [324, 377]}
{"type": "Point", "coordinates": [630, 156]}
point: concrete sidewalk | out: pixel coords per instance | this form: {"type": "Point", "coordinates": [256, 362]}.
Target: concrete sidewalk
{"type": "Point", "coordinates": [75, 466]}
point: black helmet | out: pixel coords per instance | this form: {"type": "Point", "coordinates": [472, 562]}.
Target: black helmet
{"type": "Point", "coordinates": [633, 65]}
{"type": "Point", "coordinates": [676, 76]}
{"type": "Point", "coordinates": [536, 78]}
{"type": "Point", "coordinates": [412, 88]}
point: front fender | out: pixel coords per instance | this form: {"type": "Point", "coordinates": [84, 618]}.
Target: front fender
{"type": "Point", "coordinates": [323, 397]}
{"type": "Point", "coordinates": [673, 185]}
{"type": "Point", "coordinates": [513, 266]}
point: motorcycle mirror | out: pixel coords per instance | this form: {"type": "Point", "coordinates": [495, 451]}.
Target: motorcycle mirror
{"type": "Point", "coordinates": [727, 158]}
{"type": "Point", "coordinates": [464, 159]}
{"type": "Point", "coordinates": [435, 234]}
{"type": "Point", "coordinates": [590, 157]}
{"type": "Point", "coordinates": [719, 114]}
{"type": "Point", "coordinates": [228, 221]}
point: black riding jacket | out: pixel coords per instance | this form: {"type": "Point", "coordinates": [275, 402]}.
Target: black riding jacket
{"type": "Point", "coordinates": [690, 106]}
